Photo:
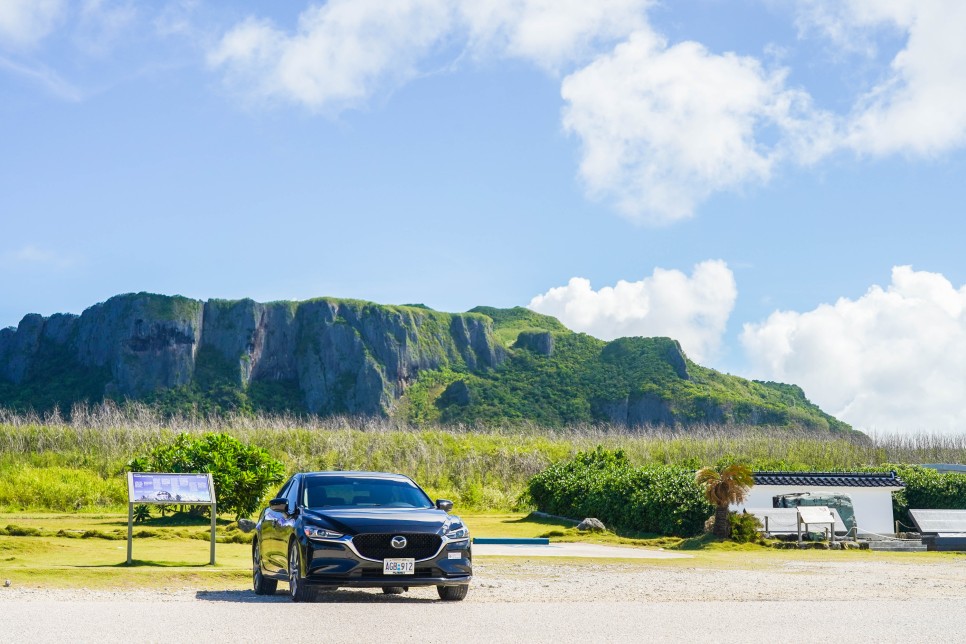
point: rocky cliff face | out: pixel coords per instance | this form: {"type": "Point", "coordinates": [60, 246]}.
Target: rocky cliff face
{"type": "Point", "coordinates": [345, 356]}
{"type": "Point", "coordinates": [332, 356]}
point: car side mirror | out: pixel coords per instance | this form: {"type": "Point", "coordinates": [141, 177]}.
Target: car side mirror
{"type": "Point", "coordinates": [444, 505]}
{"type": "Point", "coordinates": [278, 505]}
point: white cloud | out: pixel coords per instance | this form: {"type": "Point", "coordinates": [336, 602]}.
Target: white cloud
{"type": "Point", "coordinates": [663, 127]}
{"type": "Point", "coordinates": [345, 51]}
{"type": "Point", "coordinates": [341, 54]}
{"type": "Point", "coordinates": [693, 310]}
{"type": "Point", "coordinates": [920, 104]}
{"type": "Point", "coordinates": [891, 360]}
{"type": "Point", "coordinates": [549, 32]}
{"type": "Point", "coordinates": [24, 23]}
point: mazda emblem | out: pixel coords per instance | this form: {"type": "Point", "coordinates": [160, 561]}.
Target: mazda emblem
{"type": "Point", "coordinates": [398, 542]}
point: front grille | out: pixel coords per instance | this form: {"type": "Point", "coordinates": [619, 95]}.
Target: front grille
{"type": "Point", "coordinates": [376, 546]}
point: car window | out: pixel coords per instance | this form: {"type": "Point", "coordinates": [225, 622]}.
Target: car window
{"type": "Point", "coordinates": [293, 494]}
{"type": "Point", "coordinates": [283, 493]}
{"type": "Point", "coordinates": [337, 491]}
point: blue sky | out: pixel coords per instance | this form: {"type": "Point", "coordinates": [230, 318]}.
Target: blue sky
{"type": "Point", "coordinates": [749, 177]}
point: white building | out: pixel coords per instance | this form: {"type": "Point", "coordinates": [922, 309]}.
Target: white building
{"type": "Point", "coordinates": [871, 493]}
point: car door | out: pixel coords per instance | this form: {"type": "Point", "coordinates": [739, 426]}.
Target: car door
{"type": "Point", "coordinates": [273, 559]}
{"type": "Point", "coordinates": [287, 521]}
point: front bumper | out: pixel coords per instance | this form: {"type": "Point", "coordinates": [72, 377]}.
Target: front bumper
{"type": "Point", "coordinates": [336, 562]}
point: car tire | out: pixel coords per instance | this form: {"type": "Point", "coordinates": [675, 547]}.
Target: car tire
{"type": "Point", "coordinates": [261, 584]}
{"type": "Point", "coordinates": [393, 590]}
{"type": "Point", "coordinates": [452, 593]}
{"type": "Point", "coordinates": [298, 590]}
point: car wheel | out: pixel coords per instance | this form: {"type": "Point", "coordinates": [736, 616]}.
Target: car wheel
{"type": "Point", "coordinates": [298, 590]}
{"type": "Point", "coordinates": [393, 590]}
{"type": "Point", "coordinates": [262, 585]}
{"type": "Point", "coordinates": [452, 593]}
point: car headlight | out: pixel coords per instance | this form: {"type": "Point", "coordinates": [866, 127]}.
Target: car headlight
{"type": "Point", "coordinates": [457, 531]}
{"type": "Point", "coordinates": [313, 532]}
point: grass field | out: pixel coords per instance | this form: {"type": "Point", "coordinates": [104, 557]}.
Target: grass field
{"type": "Point", "coordinates": [176, 556]}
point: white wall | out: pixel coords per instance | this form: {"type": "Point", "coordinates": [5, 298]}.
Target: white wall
{"type": "Point", "coordinates": [873, 505]}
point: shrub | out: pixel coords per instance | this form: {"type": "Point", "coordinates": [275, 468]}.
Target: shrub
{"type": "Point", "coordinates": [927, 489]}
{"type": "Point", "coordinates": [141, 513]}
{"type": "Point", "coordinates": [600, 483]}
{"type": "Point", "coordinates": [744, 527]}
{"type": "Point", "coordinates": [242, 473]}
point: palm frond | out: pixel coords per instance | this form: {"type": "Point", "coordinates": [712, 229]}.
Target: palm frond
{"type": "Point", "coordinates": [727, 486]}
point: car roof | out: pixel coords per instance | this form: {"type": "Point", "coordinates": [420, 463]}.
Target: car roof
{"type": "Point", "coordinates": [354, 474]}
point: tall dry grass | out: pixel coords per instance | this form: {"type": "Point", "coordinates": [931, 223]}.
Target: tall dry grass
{"type": "Point", "coordinates": [480, 467]}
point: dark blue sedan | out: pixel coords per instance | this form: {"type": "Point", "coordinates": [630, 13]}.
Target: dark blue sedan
{"type": "Point", "coordinates": [359, 529]}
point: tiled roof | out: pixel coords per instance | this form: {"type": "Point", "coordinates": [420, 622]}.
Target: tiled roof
{"type": "Point", "coordinates": [830, 479]}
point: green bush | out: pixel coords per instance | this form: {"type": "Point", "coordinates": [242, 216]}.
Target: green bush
{"type": "Point", "coordinates": [242, 473]}
{"type": "Point", "coordinates": [141, 513]}
{"type": "Point", "coordinates": [927, 489]}
{"type": "Point", "coordinates": [661, 499]}
{"type": "Point", "coordinates": [744, 527]}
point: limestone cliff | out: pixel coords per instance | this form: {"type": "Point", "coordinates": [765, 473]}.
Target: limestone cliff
{"type": "Point", "coordinates": [344, 356]}
{"type": "Point", "coordinates": [334, 356]}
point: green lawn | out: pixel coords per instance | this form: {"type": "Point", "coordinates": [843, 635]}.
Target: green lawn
{"type": "Point", "coordinates": [91, 551]}
{"type": "Point", "coordinates": [176, 555]}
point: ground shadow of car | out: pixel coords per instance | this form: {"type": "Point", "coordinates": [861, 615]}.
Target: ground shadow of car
{"type": "Point", "coordinates": [136, 563]}
{"type": "Point", "coordinates": [323, 597]}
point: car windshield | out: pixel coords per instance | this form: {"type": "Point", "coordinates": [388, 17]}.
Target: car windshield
{"type": "Point", "coordinates": [362, 492]}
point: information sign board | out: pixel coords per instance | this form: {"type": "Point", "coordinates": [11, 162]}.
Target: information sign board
{"type": "Point", "coordinates": [170, 489]}
{"type": "Point", "coordinates": [938, 521]}
{"type": "Point", "coordinates": [812, 514]}
{"type": "Point", "coordinates": [152, 487]}
{"type": "Point", "coordinates": [815, 514]}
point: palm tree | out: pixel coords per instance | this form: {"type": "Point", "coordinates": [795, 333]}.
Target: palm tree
{"type": "Point", "coordinates": [723, 488]}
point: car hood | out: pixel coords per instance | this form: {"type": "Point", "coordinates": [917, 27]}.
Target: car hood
{"type": "Point", "coordinates": [358, 520]}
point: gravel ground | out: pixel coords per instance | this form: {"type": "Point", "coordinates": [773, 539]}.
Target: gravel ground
{"type": "Point", "coordinates": [538, 600]}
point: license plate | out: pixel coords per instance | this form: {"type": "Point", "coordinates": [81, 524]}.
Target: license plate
{"type": "Point", "coordinates": [398, 566]}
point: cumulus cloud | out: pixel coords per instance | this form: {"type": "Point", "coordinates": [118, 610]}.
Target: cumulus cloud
{"type": "Point", "coordinates": [24, 23]}
{"type": "Point", "coordinates": [549, 32]}
{"type": "Point", "coordinates": [345, 51]}
{"type": "Point", "coordinates": [891, 360]}
{"type": "Point", "coordinates": [920, 104]}
{"type": "Point", "coordinates": [663, 127]}
{"type": "Point", "coordinates": [341, 53]}
{"type": "Point", "coordinates": [693, 310]}
{"type": "Point", "coordinates": [660, 127]}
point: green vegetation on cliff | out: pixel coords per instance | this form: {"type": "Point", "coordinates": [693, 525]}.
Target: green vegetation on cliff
{"type": "Point", "coordinates": [562, 378]}
{"type": "Point", "coordinates": [508, 324]}
{"type": "Point", "coordinates": [331, 356]}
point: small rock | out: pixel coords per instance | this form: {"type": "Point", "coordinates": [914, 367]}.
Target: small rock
{"type": "Point", "coordinates": [6, 583]}
{"type": "Point", "coordinates": [246, 525]}
{"type": "Point", "coordinates": [591, 525]}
